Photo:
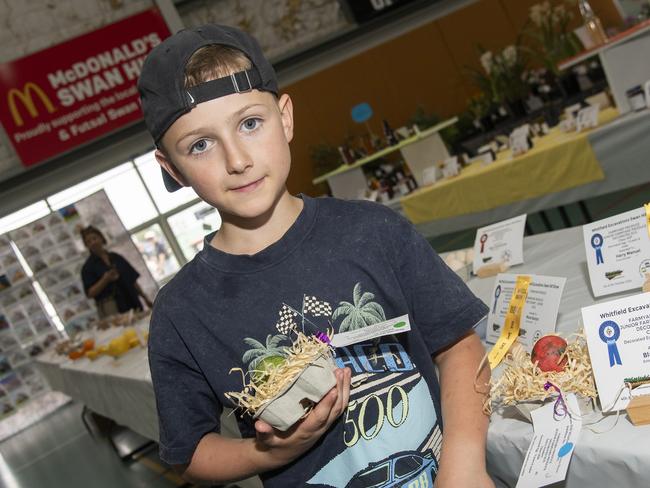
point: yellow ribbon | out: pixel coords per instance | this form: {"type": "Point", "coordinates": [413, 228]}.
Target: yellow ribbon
{"type": "Point", "coordinates": [647, 217]}
{"type": "Point", "coordinates": [510, 330]}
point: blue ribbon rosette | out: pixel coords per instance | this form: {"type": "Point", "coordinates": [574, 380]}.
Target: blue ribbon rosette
{"type": "Point", "coordinates": [497, 292]}
{"type": "Point", "coordinates": [597, 244]}
{"type": "Point", "coordinates": [609, 333]}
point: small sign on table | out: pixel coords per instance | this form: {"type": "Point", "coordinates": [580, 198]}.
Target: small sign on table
{"type": "Point", "coordinates": [618, 252]}
{"type": "Point", "coordinates": [540, 311]}
{"type": "Point", "coordinates": [500, 243]}
{"type": "Point", "coordinates": [618, 338]}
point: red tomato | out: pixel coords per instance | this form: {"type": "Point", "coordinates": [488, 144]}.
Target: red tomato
{"type": "Point", "coordinates": [547, 352]}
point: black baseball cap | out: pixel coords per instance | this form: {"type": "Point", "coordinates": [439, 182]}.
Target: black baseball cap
{"type": "Point", "coordinates": [163, 95]}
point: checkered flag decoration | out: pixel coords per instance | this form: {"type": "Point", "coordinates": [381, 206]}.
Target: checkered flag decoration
{"type": "Point", "coordinates": [317, 308]}
{"type": "Point", "coordinates": [286, 322]}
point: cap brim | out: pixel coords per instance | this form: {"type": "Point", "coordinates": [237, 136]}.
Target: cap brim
{"type": "Point", "coordinates": [170, 183]}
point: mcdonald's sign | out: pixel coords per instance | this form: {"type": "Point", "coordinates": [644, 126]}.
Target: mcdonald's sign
{"type": "Point", "coordinates": [26, 97]}
{"type": "Point", "coordinates": [71, 94]}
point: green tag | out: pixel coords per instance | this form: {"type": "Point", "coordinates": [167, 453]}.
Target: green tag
{"type": "Point", "coordinates": [372, 331]}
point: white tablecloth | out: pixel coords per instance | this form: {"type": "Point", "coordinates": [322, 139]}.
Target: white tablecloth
{"type": "Point", "coordinates": [119, 388]}
{"type": "Point", "coordinates": [618, 458]}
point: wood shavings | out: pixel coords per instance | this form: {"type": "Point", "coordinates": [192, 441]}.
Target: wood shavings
{"type": "Point", "coordinates": [276, 377]}
{"type": "Point", "coordinates": [522, 380]}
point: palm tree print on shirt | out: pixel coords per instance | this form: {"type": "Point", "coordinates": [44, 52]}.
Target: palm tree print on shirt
{"type": "Point", "coordinates": [361, 313]}
{"type": "Point", "coordinates": [261, 351]}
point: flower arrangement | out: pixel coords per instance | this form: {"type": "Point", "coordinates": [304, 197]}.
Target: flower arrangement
{"type": "Point", "coordinates": [503, 77]}
{"type": "Point", "coordinates": [548, 26]}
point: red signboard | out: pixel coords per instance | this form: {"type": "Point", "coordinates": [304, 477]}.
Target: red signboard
{"type": "Point", "coordinates": [75, 92]}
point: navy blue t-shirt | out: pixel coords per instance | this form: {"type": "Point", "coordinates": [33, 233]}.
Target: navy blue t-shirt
{"type": "Point", "coordinates": [347, 263]}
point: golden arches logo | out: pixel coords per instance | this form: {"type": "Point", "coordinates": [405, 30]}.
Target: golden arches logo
{"type": "Point", "coordinates": [26, 96]}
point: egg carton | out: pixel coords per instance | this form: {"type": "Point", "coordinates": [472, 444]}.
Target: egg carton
{"type": "Point", "coordinates": [295, 400]}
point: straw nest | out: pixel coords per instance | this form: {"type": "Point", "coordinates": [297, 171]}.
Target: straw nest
{"type": "Point", "coordinates": [522, 380]}
{"type": "Point", "coordinates": [260, 387]}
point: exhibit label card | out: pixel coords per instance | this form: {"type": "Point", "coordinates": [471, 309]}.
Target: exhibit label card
{"type": "Point", "coordinates": [618, 338]}
{"type": "Point", "coordinates": [540, 311]}
{"type": "Point", "coordinates": [554, 440]}
{"type": "Point", "coordinates": [500, 242]}
{"type": "Point", "coordinates": [618, 252]}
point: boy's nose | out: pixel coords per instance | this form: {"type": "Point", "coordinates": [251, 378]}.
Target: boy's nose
{"type": "Point", "coordinates": [237, 159]}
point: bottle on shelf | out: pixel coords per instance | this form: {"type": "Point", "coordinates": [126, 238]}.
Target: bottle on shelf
{"type": "Point", "coordinates": [389, 134]}
{"type": "Point", "coordinates": [592, 23]}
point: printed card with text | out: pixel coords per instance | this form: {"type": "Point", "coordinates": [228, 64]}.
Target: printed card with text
{"type": "Point", "coordinates": [618, 338]}
{"type": "Point", "coordinates": [618, 252]}
{"type": "Point", "coordinates": [556, 432]}
{"type": "Point", "coordinates": [502, 242]}
{"type": "Point", "coordinates": [539, 315]}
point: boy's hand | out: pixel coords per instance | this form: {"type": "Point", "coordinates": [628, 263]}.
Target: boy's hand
{"type": "Point", "coordinates": [284, 447]}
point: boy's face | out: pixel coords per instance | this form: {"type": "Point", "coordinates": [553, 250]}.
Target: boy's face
{"type": "Point", "coordinates": [233, 151]}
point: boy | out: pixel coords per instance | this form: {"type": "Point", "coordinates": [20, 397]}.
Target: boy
{"type": "Point", "coordinates": [280, 262]}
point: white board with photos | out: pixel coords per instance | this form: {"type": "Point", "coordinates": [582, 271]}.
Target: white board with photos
{"type": "Point", "coordinates": [55, 255]}
{"type": "Point", "coordinates": [25, 330]}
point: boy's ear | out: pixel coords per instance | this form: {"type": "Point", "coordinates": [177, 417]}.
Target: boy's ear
{"type": "Point", "coordinates": [166, 163]}
{"type": "Point", "coordinates": [286, 112]}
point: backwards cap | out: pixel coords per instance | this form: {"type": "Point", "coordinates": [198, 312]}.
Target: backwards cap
{"type": "Point", "coordinates": [161, 85]}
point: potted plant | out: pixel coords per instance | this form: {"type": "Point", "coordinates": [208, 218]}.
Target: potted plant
{"type": "Point", "coordinates": [503, 79]}
{"type": "Point", "coordinates": [509, 71]}
{"type": "Point", "coordinates": [548, 27]}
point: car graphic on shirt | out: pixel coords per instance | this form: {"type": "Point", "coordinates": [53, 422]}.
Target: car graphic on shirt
{"type": "Point", "coordinates": [407, 469]}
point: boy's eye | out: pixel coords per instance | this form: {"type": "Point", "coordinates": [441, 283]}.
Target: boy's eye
{"type": "Point", "coordinates": [199, 146]}
{"type": "Point", "coordinates": [249, 125]}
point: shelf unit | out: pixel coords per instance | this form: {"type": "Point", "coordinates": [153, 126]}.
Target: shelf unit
{"type": "Point", "coordinates": [419, 151]}
{"type": "Point", "coordinates": [624, 60]}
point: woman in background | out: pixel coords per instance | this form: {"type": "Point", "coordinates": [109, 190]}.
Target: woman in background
{"type": "Point", "coordinates": [109, 278]}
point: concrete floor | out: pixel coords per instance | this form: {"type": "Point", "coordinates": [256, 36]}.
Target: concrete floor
{"type": "Point", "coordinates": [59, 452]}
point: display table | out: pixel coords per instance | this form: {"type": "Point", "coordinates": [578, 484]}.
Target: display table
{"type": "Point", "coordinates": [619, 457]}
{"type": "Point", "coordinates": [621, 148]}
{"type": "Point", "coordinates": [556, 162]}
{"type": "Point", "coordinates": [119, 388]}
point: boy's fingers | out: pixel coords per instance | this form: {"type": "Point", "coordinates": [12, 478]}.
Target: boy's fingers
{"type": "Point", "coordinates": [347, 380]}
{"type": "Point", "coordinates": [263, 428]}
{"type": "Point", "coordinates": [321, 412]}
{"type": "Point", "coordinates": [343, 387]}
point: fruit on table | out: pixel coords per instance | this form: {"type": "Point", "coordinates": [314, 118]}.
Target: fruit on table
{"type": "Point", "coordinates": [76, 354]}
{"type": "Point", "coordinates": [547, 352]}
{"type": "Point", "coordinates": [132, 337]}
{"type": "Point", "coordinates": [92, 354]}
{"type": "Point", "coordinates": [88, 344]}
{"type": "Point", "coordinates": [118, 346]}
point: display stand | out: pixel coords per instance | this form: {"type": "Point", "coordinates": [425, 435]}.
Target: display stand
{"type": "Point", "coordinates": [624, 59]}
{"type": "Point", "coordinates": [419, 152]}
{"type": "Point", "coordinates": [25, 330]}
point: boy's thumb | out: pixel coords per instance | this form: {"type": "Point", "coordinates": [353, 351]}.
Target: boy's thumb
{"type": "Point", "coordinates": [263, 428]}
